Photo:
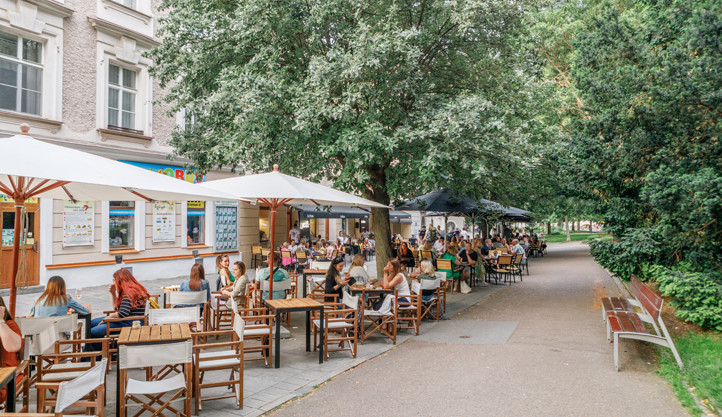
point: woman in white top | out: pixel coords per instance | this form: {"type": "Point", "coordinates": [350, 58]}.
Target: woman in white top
{"type": "Point", "coordinates": [394, 278]}
{"type": "Point", "coordinates": [357, 270]}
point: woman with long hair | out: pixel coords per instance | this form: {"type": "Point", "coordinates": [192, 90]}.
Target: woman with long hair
{"type": "Point", "coordinates": [357, 270]}
{"type": "Point", "coordinates": [395, 278]}
{"type": "Point", "coordinates": [11, 342]}
{"type": "Point", "coordinates": [223, 262]}
{"type": "Point", "coordinates": [197, 281]}
{"type": "Point", "coordinates": [55, 301]}
{"type": "Point", "coordinates": [240, 285]}
{"type": "Point", "coordinates": [128, 297]}
{"type": "Point", "coordinates": [406, 257]}
{"type": "Point", "coordinates": [335, 283]}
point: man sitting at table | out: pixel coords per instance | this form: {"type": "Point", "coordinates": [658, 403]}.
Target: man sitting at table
{"type": "Point", "coordinates": [469, 257]}
{"type": "Point", "coordinates": [279, 275]}
{"type": "Point", "coordinates": [517, 247]}
{"type": "Point", "coordinates": [439, 245]}
{"type": "Point", "coordinates": [486, 247]}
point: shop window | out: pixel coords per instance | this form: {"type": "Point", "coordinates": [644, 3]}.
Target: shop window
{"type": "Point", "coordinates": [122, 93]}
{"type": "Point", "coordinates": [196, 222]}
{"type": "Point", "coordinates": [121, 224]}
{"type": "Point", "coordinates": [21, 74]}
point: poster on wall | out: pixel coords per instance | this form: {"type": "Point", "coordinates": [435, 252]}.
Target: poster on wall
{"type": "Point", "coordinates": [78, 223]}
{"type": "Point", "coordinates": [164, 221]}
{"type": "Point", "coordinates": [226, 227]}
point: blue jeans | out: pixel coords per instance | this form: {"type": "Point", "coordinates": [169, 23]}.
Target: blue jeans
{"type": "Point", "coordinates": [97, 331]}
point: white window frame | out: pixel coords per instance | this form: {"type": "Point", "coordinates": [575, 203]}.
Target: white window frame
{"type": "Point", "coordinates": [139, 222]}
{"type": "Point", "coordinates": [18, 59]}
{"type": "Point", "coordinates": [121, 89]}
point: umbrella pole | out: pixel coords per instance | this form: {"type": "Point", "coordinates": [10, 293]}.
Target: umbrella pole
{"type": "Point", "coordinates": [271, 256]}
{"type": "Point", "coordinates": [16, 257]}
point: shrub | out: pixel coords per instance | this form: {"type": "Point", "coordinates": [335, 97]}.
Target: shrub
{"type": "Point", "coordinates": [696, 296]}
{"type": "Point", "coordinates": [636, 249]}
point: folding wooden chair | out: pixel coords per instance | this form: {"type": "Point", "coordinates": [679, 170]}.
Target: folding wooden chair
{"type": "Point", "coordinates": [441, 275]}
{"type": "Point", "coordinates": [256, 256]}
{"type": "Point", "coordinates": [340, 321]}
{"type": "Point", "coordinates": [503, 263]}
{"type": "Point", "coordinates": [447, 265]}
{"type": "Point", "coordinates": [264, 256]}
{"type": "Point", "coordinates": [73, 393]}
{"type": "Point", "coordinates": [258, 325]}
{"type": "Point", "coordinates": [515, 268]}
{"type": "Point", "coordinates": [330, 302]}
{"type": "Point", "coordinates": [219, 356]}
{"type": "Point", "coordinates": [430, 306]}
{"type": "Point", "coordinates": [382, 320]}
{"type": "Point", "coordinates": [220, 317]}
{"type": "Point", "coordinates": [409, 312]}
{"type": "Point", "coordinates": [149, 394]}
{"type": "Point", "coordinates": [301, 260]}
{"type": "Point", "coordinates": [190, 298]}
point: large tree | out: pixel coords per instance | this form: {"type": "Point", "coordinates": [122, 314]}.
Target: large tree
{"type": "Point", "coordinates": [385, 98]}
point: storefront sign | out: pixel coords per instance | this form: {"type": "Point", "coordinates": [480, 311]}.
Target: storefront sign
{"type": "Point", "coordinates": [180, 173]}
{"type": "Point", "coordinates": [163, 221]}
{"type": "Point", "coordinates": [78, 223]}
{"type": "Point", "coordinates": [6, 199]}
{"type": "Point", "coordinates": [196, 205]}
{"type": "Point", "coordinates": [226, 227]}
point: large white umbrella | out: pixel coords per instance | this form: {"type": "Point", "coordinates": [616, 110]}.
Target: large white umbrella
{"type": "Point", "coordinates": [32, 168]}
{"type": "Point", "coordinates": [276, 189]}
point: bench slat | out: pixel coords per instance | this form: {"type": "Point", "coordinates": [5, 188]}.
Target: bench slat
{"type": "Point", "coordinates": [638, 323]}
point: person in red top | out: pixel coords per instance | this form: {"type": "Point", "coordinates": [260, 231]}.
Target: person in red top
{"type": "Point", "coordinates": [11, 342]}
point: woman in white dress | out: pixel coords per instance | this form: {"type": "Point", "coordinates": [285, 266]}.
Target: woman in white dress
{"type": "Point", "coordinates": [394, 278]}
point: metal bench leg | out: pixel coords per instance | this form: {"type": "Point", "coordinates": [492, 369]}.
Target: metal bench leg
{"type": "Point", "coordinates": [616, 351]}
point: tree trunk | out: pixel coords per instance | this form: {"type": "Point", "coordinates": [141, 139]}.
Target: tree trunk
{"type": "Point", "coordinates": [572, 226]}
{"type": "Point", "coordinates": [483, 228]}
{"type": "Point", "coordinates": [380, 217]}
{"type": "Point", "coordinates": [579, 225]}
{"type": "Point", "coordinates": [566, 225]}
{"type": "Point", "coordinates": [590, 226]}
{"type": "Point", "coordinates": [549, 228]}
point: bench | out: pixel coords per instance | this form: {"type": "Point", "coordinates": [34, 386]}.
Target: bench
{"type": "Point", "coordinates": [625, 321]}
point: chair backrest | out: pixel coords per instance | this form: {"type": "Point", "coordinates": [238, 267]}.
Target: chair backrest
{"type": "Point", "coordinates": [441, 275]}
{"type": "Point", "coordinates": [649, 300]}
{"type": "Point", "coordinates": [430, 284]}
{"type": "Point", "coordinates": [518, 257]}
{"type": "Point", "coordinates": [265, 252]}
{"type": "Point", "coordinates": [334, 254]}
{"type": "Point", "coordinates": [174, 315]}
{"type": "Point", "coordinates": [44, 340]}
{"type": "Point", "coordinates": [239, 325]}
{"type": "Point", "coordinates": [416, 287]}
{"type": "Point", "coordinates": [323, 265]}
{"type": "Point", "coordinates": [301, 255]}
{"type": "Point", "coordinates": [142, 356]}
{"type": "Point", "coordinates": [255, 250]}
{"type": "Point", "coordinates": [444, 264]}
{"type": "Point", "coordinates": [504, 260]}
{"type": "Point", "coordinates": [427, 254]}
{"type": "Point", "coordinates": [285, 253]}
{"type": "Point", "coordinates": [351, 301]}
{"type": "Point", "coordinates": [69, 392]}
{"type": "Point", "coordinates": [277, 285]}
{"type": "Point", "coordinates": [186, 297]}
{"type": "Point", "coordinates": [30, 326]}
{"type": "Point", "coordinates": [234, 306]}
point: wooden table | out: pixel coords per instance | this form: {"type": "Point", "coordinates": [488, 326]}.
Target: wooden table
{"type": "Point", "coordinates": [310, 272]}
{"type": "Point", "coordinates": [7, 379]}
{"type": "Point", "coordinates": [150, 335]}
{"type": "Point", "coordinates": [296, 304]}
{"type": "Point", "coordinates": [364, 290]}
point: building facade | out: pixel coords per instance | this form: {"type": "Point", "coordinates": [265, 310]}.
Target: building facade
{"type": "Point", "coordinates": [75, 71]}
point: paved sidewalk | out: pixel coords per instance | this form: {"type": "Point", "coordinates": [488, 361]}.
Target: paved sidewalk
{"type": "Point", "coordinates": [300, 372]}
{"type": "Point", "coordinates": [536, 349]}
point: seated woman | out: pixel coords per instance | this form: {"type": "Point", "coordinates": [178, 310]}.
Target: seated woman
{"type": "Point", "coordinates": [357, 270]}
{"type": "Point", "coordinates": [367, 248]}
{"type": "Point", "coordinates": [279, 274]}
{"type": "Point", "coordinates": [394, 278]}
{"type": "Point", "coordinates": [128, 298]}
{"type": "Point", "coordinates": [427, 272]}
{"type": "Point", "coordinates": [240, 285]}
{"type": "Point", "coordinates": [225, 279]}
{"type": "Point", "coordinates": [428, 246]}
{"type": "Point", "coordinates": [406, 257]}
{"type": "Point", "coordinates": [196, 282]}
{"type": "Point", "coordinates": [11, 342]}
{"type": "Point", "coordinates": [54, 301]}
{"type": "Point", "coordinates": [454, 274]}
{"type": "Point", "coordinates": [334, 282]}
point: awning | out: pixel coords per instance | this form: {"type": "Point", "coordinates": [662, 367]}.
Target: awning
{"type": "Point", "coordinates": [311, 211]}
{"type": "Point", "coordinates": [396, 216]}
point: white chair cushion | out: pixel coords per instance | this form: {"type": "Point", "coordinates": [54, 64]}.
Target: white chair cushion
{"type": "Point", "coordinates": [219, 362]}
{"type": "Point", "coordinates": [335, 324]}
{"type": "Point", "coordinates": [65, 376]}
{"type": "Point", "coordinates": [156, 387]}
{"type": "Point", "coordinates": [255, 332]}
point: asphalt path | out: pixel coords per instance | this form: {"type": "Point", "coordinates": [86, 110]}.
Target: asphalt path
{"type": "Point", "coordinates": [537, 348]}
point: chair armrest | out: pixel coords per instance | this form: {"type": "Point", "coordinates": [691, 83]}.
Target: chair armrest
{"type": "Point", "coordinates": [128, 318]}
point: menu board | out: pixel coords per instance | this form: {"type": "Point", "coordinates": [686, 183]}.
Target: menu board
{"type": "Point", "coordinates": [164, 221]}
{"type": "Point", "coordinates": [226, 227]}
{"type": "Point", "coordinates": [78, 223]}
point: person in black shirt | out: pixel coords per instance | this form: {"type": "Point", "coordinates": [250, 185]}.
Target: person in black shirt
{"type": "Point", "coordinates": [486, 247]}
{"type": "Point", "coordinates": [469, 257]}
{"type": "Point", "coordinates": [334, 282]}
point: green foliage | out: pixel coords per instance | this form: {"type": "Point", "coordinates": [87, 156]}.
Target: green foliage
{"type": "Point", "coordinates": [576, 237]}
{"type": "Point", "coordinates": [702, 356]}
{"type": "Point", "coordinates": [696, 296]}
{"type": "Point", "coordinates": [636, 249]}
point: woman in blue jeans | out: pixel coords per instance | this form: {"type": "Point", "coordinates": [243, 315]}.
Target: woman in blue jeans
{"type": "Point", "coordinates": [129, 299]}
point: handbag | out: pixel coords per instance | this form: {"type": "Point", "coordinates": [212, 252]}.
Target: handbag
{"type": "Point", "coordinates": [465, 288]}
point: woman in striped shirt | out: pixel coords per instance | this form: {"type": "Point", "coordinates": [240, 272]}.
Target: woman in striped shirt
{"type": "Point", "coordinates": [129, 299]}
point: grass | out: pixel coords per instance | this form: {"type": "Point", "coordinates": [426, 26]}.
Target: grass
{"type": "Point", "coordinates": [702, 373]}
{"type": "Point", "coordinates": [576, 237]}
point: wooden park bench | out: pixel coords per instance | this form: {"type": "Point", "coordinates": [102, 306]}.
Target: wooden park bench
{"type": "Point", "coordinates": [628, 318]}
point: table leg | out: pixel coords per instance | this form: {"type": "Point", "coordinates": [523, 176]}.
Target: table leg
{"type": "Point", "coordinates": [277, 358]}
{"type": "Point", "coordinates": [321, 344]}
{"type": "Point", "coordinates": [118, 399]}
{"type": "Point", "coordinates": [11, 391]}
{"type": "Point", "coordinates": [308, 330]}
{"type": "Point", "coordinates": [304, 283]}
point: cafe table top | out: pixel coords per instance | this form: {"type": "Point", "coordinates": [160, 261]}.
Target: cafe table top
{"type": "Point", "coordinates": [315, 271]}
{"type": "Point", "coordinates": [293, 304]}
{"type": "Point", "coordinates": [364, 288]}
{"type": "Point", "coordinates": [159, 333]}
{"type": "Point", "coordinates": [5, 374]}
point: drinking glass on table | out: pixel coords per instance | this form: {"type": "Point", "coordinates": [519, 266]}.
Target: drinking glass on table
{"type": "Point", "coordinates": [78, 293]}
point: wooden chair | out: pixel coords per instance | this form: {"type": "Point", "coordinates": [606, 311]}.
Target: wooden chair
{"type": "Point", "coordinates": [409, 312]}
{"type": "Point", "coordinates": [149, 394]}
{"type": "Point", "coordinates": [220, 317]}
{"type": "Point", "coordinates": [73, 393]}
{"type": "Point", "coordinates": [301, 260]}
{"type": "Point", "coordinates": [329, 301]}
{"type": "Point", "coordinates": [258, 326]}
{"type": "Point", "coordinates": [219, 356]}
{"type": "Point", "coordinates": [441, 275]}
{"type": "Point", "coordinates": [187, 298]}
{"type": "Point", "coordinates": [382, 320]}
{"type": "Point", "coordinates": [427, 254]}
{"type": "Point", "coordinates": [431, 306]}
{"type": "Point", "coordinates": [112, 333]}
{"type": "Point", "coordinates": [516, 267]}
{"type": "Point", "coordinates": [340, 322]}
{"type": "Point", "coordinates": [447, 265]}
{"type": "Point", "coordinates": [256, 257]}
{"type": "Point", "coordinates": [264, 256]}
{"type": "Point", "coordinates": [503, 265]}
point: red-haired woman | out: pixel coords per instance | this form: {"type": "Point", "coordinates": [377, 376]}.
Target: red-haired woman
{"type": "Point", "coordinates": [129, 299]}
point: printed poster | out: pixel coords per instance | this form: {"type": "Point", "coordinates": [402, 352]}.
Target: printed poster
{"type": "Point", "coordinates": [164, 221]}
{"type": "Point", "coordinates": [78, 223]}
{"type": "Point", "coordinates": [226, 227]}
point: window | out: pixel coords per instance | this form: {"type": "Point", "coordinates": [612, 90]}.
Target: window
{"type": "Point", "coordinates": [21, 74]}
{"type": "Point", "coordinates": [121, 224]}
{"type": "Point", "coordinates": [121, 98]}
{"type": "Point", "coordinates": [128, 3]}
{"type": "Point", "coordinates": [196, 222]}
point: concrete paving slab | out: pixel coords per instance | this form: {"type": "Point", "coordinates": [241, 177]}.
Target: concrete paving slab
{"type": "Point", "coordinates": [470, 332]}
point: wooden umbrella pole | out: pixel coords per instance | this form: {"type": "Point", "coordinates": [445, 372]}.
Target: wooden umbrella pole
{"type": "Point", "coordinates": [16, 255]}
{"type": "Point", "coordinates": [274, 207]}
